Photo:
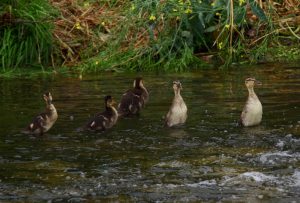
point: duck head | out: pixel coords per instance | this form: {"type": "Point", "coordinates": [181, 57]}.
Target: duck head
{"type": "Point", "coordinates": [138, 82]}
{"type": "Point", "coordinates": [177, 86]}
{"type": "Point", "coordinates": [251, 82]}
{"type": "Point", "coordinates": [109, 101]}
{"type": "Point", "coordinates": [48, 98]}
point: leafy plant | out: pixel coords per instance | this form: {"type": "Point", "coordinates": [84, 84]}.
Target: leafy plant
{"type": "Point", "coordinates": [25, 33]}
{"type": "Point", "coordinates": [168, 35]}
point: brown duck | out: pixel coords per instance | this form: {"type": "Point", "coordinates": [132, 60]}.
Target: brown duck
{"type": "Point", "coordinates": [133, 100]}
{"type": "Point", "coordinates": [44, 121]}
{"type": "Point", "coordinates": [252, 112]}
{"type": "Point", "coordinates": [106, 119]}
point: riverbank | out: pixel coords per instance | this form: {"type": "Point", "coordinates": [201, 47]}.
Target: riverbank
{"type": "Point", "coordinates": [176, 35]}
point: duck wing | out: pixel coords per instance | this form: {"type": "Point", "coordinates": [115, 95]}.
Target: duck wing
{"type": "Point", "coordinates": [36, 126]}
{"type": "Point", "coordinates": [243, 115]}
{"type": "Point", "coordinates": [97, 123]}
{"type": "Point", "coordinates": [143, 93]}
{"type": "Point", "coordinates": [131, 102]}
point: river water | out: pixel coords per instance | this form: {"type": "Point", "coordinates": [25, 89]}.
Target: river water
{"type": "Point", "coordinates": [208, 159]}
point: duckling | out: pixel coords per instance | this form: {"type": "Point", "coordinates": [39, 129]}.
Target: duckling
{"type": "Point", "coordinates": [133, 100]}
{"type": "Point", "coordinates": [252, 112]}
{"type": "Point", "coordinates": [44, 121]}
{"type": "Point", "coordinates": [106, 119]}
{"type": "Point", "coordinates": [178, 110]}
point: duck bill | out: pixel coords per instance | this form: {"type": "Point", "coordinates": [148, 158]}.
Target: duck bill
{"type": "Point", "coordinates": [113, 102]}
{"type": "Point", "coordinates": [258, 82]}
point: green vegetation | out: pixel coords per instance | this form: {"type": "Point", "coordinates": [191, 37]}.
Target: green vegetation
{"type": "Point", "coordinates": [26, 37]}
{"type": "Point", "coordinates": [169, 35]}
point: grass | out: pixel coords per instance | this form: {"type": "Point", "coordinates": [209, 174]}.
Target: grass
{"type": "Point", "coordinates": [26, 38]}
{"type": "Point", "coordinates": [170, 35]}
{"type": "Point", "coordinates": [146, 35]}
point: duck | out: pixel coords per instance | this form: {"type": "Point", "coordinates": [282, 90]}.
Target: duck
{"type": "Point", "coordinates": [253, 110]}
{"type": "Point", "coordinates": [106, 119]}
{"type": "Point", "coordinates": [133, 100]}
{"type": "Point", "coordinates": [44, 121]}
{"type": "Point", "coordinates": [177, 113]}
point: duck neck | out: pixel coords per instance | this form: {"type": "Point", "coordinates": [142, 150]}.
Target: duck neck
{"type": "Point", "coordinates": [110, 108]}
{"type": "Point", "coordinates": [51, 109]}
{"type": "Point", "coordinates": [144, 89]}
{"type": "Point", "coordinates": [177, 92]}
{"type": "Point", "coordinates": [251, 92]}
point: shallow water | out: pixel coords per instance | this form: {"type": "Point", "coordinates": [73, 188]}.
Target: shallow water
{"type": "Point", "coordinates": [208, 159]}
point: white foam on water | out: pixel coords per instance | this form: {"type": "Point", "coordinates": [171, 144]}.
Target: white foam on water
{"type": "Point", "coordinates": [282, 183]}
{"type": "Point", "coordinates": [172, 164]}
{"type": "Point", "coordinates": [274, 158]}
{"type": "Point", "coordinates": [172, 186]}
{"type": "Point", "coordinates": [257, 176]}
{"type": "Point", "coordinates": [203, 183]}
{"type": "Point", "coordinates": [296, 178]}
{"type": "Point", "coordinates": [250, 177]}
{"type": "Point", "coordinates": [280, 144]}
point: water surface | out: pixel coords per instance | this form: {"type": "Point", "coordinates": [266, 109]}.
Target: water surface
{"type": "Point", "coordinates": [209, 159]}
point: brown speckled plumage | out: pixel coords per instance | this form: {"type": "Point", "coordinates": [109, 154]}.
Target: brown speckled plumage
{"type": "Point", "coordinates": [44, 121]}
{"type": "Point", "coordinates": [133, 100]}
{"type": "Point", "coordinates": [106, 119]}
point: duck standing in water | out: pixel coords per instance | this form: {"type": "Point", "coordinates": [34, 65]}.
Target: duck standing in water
{"type": "Point", "coordinates": [133, 100]}
{"type": "Point", "coordinates": [106, 119]}
{"type": "Point", "coordinates": [178, 110]}
{"type": "Point", "coordinates": [252, 112]}
{"type": "Point", "coordinates": [44, 121]}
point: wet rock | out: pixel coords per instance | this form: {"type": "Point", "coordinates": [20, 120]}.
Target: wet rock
{"type": "Point", "coordinates": [205, 169]}
{"type": "Point", "coordinates": [77, 199]}
{"type": "Point", "coordinates": [260, 196]}
{"type": "Point", "coordinates": [43, 195]}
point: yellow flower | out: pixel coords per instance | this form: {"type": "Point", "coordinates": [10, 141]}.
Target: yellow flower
{"type": "Point", "coordinates": [132, 7]}
{"type": "Point", "coordinates": [213, 4]}
{"type": "Point", "coordinates": [152, 17]}
{"type": "Point", "coordinates": [103, 23]}
{"type": "Point", "coordinates": [227, 26]}
{"type": "Point", "coordinates": [220, 45]}
{"type": "Point", "coordinates": [218, 14]}
{"type": "Point", "coordinates": [86, 4]}
{"type": "Point", "coordinates": [96, 62]}
{"type": "Point", "coordinates": [188, 10]}
{"type": "Point", "coordinates": [78, 26]}
{"type": "Point", "coordinates": [241, 2]}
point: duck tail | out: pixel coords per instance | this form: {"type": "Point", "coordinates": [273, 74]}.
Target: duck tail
{"type": "Point", "coordinates": [80, 129]}
{"type": "Point", "coordinates": [25, 131]}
